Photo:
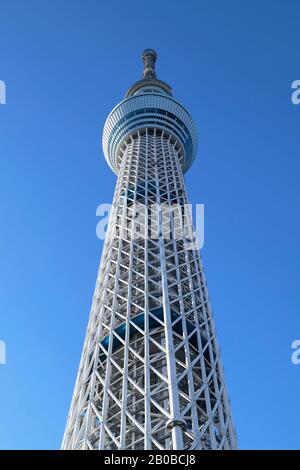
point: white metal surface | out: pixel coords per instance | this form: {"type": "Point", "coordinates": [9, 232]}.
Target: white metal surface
{"type": "Point", "coordinates": [150, 375]}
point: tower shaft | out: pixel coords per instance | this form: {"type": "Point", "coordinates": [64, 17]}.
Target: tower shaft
{"type": "Point", "coordinates": [150, 376]}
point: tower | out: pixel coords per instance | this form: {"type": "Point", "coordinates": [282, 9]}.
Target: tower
{"type": "Point", "coordinates": [150, 375]}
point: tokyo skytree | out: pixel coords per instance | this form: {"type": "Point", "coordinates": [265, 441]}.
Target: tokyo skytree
{"type": "Point", "coordinates": [150, 375]}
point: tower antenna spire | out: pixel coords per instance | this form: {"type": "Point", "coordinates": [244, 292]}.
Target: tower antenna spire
{"type": "Point", "coordinates": [149, 58]}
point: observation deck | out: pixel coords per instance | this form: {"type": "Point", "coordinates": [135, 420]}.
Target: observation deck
{"type": "Point", "coordinates": [149, 104]}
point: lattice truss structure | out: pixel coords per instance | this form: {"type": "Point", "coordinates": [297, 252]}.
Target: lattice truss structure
{"type": "Point", "coordinates": [150, 375]}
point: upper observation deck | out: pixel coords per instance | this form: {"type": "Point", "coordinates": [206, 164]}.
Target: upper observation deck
{"type": "Point", "coordinates": [149, 104]}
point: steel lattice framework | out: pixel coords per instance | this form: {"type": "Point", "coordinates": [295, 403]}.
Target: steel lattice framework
{"type": "Point", "coordinates": [150, 375]}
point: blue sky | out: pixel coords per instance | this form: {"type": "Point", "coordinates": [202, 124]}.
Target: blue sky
{"type": "Point", "coordinates": [66, 64]}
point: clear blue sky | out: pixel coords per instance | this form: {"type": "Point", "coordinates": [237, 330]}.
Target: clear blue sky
{"type": "Point", "coordinates": [66, 64]}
